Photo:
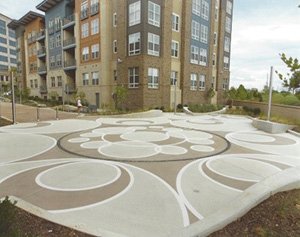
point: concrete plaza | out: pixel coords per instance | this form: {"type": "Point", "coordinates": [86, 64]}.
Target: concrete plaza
{"type": "Point", "coordinates": [147, 174]}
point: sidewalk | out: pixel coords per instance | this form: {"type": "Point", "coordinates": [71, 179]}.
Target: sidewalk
{"type": "Point", "coordinates": [26, 113]}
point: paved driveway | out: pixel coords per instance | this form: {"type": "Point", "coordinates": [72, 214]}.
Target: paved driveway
{"type": "Point", "coordinates": [144, 176]}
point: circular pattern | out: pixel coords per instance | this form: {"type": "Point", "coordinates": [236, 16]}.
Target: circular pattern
{"type": "Point", "coordinates": [172, 150]}
{"type": "Point", "coordinates": [78, 176]}
{"type": "Point", "coordinates": [201, 141]}
{"type": "Point", "coordinates": [15, 147]}
{"type": "Point", "coordinates": [202, 148]}
{"type": "Point", "coordinates": [129, 150]}
{"type": "Point", "coordinates": [78, 140]}
{"type": "Point", "coordinates": [250, 137]}
{"type": "Point", "coordinates": [94, 144]}
{"type": "Point", "coordinates": [90, 135]}
{"type": "Point", "coordinates": [135, 122]}
{"type": "Point", "coordinates": [145, 136]}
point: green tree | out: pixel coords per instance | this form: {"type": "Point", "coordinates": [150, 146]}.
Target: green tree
{"type": "Point", "coordinates": [290, 80]}
{"type": "Point", "coordinates": [230, 95]}
{"type": "Point", "coordinates": [241, 93]}
{"type": "Point", "coordinates": [120, 95]}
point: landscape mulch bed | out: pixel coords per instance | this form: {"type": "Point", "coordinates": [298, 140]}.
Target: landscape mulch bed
{"type": "Point", "coordinates": [278, 216]}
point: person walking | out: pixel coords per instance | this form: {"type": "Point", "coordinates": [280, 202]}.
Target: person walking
{"type": "Point", "coordinates": [79, 105]}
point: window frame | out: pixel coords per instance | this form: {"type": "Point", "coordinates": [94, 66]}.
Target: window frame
{"type": "Point", "coordinates": [153, 78]}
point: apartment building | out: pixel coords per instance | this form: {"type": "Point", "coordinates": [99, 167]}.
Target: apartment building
{"type": "Point", "coordinates": [7, 51]}
{"type": "Point", "coordinates": [164, 52]}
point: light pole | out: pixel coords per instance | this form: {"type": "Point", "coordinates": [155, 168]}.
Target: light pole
{"type": "Point", "coordinates": [175, 82]}
{"type": "Point", "coordinates": [13, 102]}
{"type": "Point", "coordinates": [270, 93]}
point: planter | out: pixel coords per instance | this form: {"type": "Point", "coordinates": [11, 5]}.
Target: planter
{"type": "Point", "coordinates": [271, 127]}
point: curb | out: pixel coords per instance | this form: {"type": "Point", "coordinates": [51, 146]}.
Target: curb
{"type": "Point", "coordinates": [283, 181]}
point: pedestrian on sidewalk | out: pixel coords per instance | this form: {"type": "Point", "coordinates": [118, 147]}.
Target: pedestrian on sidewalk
{"type": "Point", "coordinates": [79, 105]}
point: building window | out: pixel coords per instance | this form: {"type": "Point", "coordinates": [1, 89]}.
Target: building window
{"type": "Point", "coordinates": [227, 44]}
{"type": "Point", "coordinates": [229, 7]}
{"type": "Point", "coordinates": [95, 26]}
{"type": "Point", "coordinates": [95, 78]}
{"type": "Point", "coordinates": [115, 19]}
{"type": "Point", "coordinates": [59, 81]}
{"type": "Point", "coordinates": [175, 22]}
{"type": "Point", "coordinates": [52, 61]}
{"type": "Point", "coordinates": [174, 77]}
{"type": "Point", "coordinates": [153, 14]}
{"type": "Point", "coordinates": [84, 10]}
{"type": "Point", "coordinates": [95, 51]}
{"type": "Point", "coordinates": [52, 43]}
{"type": "Point", "coordinates": [134, 43]}
{"type": "Point", "coordinates": [53, 84]}
{"type": "Point", "coordinates": [203, 57]}
{"type": "Point", "coordinates": [214, 59]}
{"type": "Point", "coordinates": [226, 62]}
{"type": "Point", "coordinates": [228, 24]}
{"type": "Point", "coordinates": [85, 79]}
{"type": "Point", "coordinates": [195, 30]}
{"type": "Point", "coordinates": [194, 54]}
{"type": "Point", "coordinates": [115, 75]}
{"type": "Point", "coordinates": [94, 7]}
{"type": "Point", "coordinates": [58, 40]}
{"type": "Point", "coordinates": [152, 78]}
{"type": "Point", "coordinates": [135, 13]}
{"type": "Point", "coordinates": [215, 38]}
{"type": "Point", "coordinates": [85, 54]}
{"type": "Point", "coordinates": [153, 44]}
{"type": "Point", "coordinates": [31, 83]}
{"type": "Point", "coordinates": [193, 86]}
{"type": "Point", "coordinates": [204, 34]}
{"type": "Point", "coordinates": [225, 85]}
{"type": "Point", "coordinates": [205, 10]}
{"type": "Point", "coordinates": [196, 7]}
{"type": "Point", "coordinates": [133, 77]}
{"type": "Point", "coordinates": [36, 85]}
{"type": "Point", "coordinates": [58, 60]}
{"type": "Point", "coordinates": [201, 82]}
{"type": "Point", "coordinates": [115, 48]}
{"type": "Point", "coordinates": [85, 30]}
{"type": "Point", "coordinates": [175, 49]}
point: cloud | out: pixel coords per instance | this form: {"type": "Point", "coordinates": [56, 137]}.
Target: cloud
{"type": "Point", "coordinates": [258, 39]}
{"type": "Point", "coordinates": [15, 9]}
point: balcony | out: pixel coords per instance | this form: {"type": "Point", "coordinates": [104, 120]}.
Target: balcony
{"type": "Point", "coordinates": [69, 43]}
{"type": "Point", "coordinates": [84, 13]}
{"type": "Point", "coordinates": [70, 65]}
{"type": "Point", "coordinates": [57, 26]}
{"type": "Point", "coordinates": [43, 89]}
{"type": "Point", "coordinates": [42, 70]}
{"type": "Point", "coordinates": [51, 30]}
{"type": "Point", "coordinates": [41, 35]}
{"type": "Point", "coordinates": [68, 21]}
{"type": "Point", "coordinates": [41, 52]}
{"type": "Point", "coordinates": [94, 9]}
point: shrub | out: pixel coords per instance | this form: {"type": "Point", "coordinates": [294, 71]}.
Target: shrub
{"type": "Point", "coordinates": [8, 218]}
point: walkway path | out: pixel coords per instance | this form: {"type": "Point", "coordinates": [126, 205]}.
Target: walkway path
{"type": "Point", "coordinates": [170, 175]}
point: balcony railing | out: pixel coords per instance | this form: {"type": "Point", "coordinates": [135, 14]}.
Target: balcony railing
{"type": "Point", "coordinates": [94, 8]}
{"type": "Point", "coordinates": [41, 52]}
{"type": "Point", "coordinates": [43, 89]}
{"type": "Point", "coordinates": [68, 43]}
{"type": "Point", "coordinates": [32, 39]}
{"type": "Point", "coordinates": [84, 13]}
{"type": "Point", "coordinates": [42, 69]}
{"type": "Point", "coordinates": [70, 64]}
{"type": "Point", "coordinates": [51, 30]}
{"type": "Point", "coordinates": [69, 20]}
{"type": "Point", "coordinates": [40, 35]}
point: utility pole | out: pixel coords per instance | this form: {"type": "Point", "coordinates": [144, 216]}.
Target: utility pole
{"type": "Point", "coordinates": [270, 93]}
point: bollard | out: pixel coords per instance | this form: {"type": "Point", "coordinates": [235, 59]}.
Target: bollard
{"type": "Point", "coordinates": [38, 114]}
{"type": "Point", "coordinates": [56, 113]}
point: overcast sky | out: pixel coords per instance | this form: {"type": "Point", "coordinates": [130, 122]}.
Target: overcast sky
{"type": "Point", "coordinates": [261, 30]}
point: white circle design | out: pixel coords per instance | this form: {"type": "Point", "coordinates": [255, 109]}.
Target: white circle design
{"type": "Point", "coordinates": [202, 148]}
{"type": "Point", "coordinates": [145, 136]}
{"type": "Point", "coordinates": [172, 150]}
{"type": "Point", "coordinates": [250, 137]}
{"type": "Point", "coordinates": [15, 147]}
{"type": "Point", "coordinates": [201, 141]}
{"type": "Point", "coordinates": [90, 135]}
{"type": "Point", "coordinates": [94, 144]}
{"type": "Point", "coordinates": [78, 140]}
{"type": "Point", "coordinates": [129, 150]}
{"type": "Point", "coordinates": [78, 176]}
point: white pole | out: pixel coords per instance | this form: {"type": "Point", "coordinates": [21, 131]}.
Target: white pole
{"type": "Point", "coordinates": [13, 102]}
{"type": "Point", "coordinates": [270, 93]}
{"type": "Point", "coordinates": [175, 96]}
